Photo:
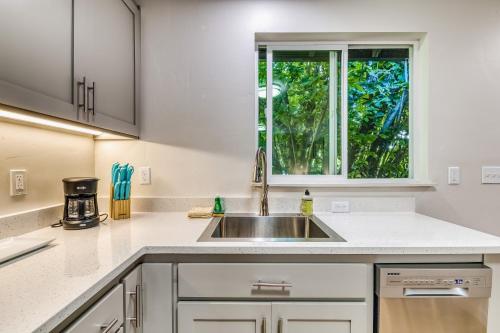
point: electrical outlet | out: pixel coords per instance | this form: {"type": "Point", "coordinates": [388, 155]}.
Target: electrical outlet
{"type": "Point", "coordinates": [340, 207]}
{"type": "Point", "coordinates": [454, 175]}
{"type": "Point", "coordinates": [18, 182]}
{"type": "Point", "coordinates": [145, 175]}
{"type": "Point", "coordinates": [491, 175]}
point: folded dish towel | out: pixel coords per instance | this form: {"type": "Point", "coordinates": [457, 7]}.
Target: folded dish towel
{"type": "Point", "coordinates": [200, 212]}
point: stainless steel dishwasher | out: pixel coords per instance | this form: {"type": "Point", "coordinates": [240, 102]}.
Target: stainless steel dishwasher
{"type": "Point", "coordinates": [432, 298]}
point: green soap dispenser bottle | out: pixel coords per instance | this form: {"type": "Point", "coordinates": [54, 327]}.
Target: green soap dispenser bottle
{"type": "Point", "coordinates": [306, 205]}
{"type": "Point", "coordinates": [218, 207]}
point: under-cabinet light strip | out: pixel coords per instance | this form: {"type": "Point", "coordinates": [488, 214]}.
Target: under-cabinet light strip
{"type": "Point", "coordinates": [47, 122]}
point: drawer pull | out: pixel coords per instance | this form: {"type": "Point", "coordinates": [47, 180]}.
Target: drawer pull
{"type": "Point", "coordinates": [107, 328]}
{"type": "Point", "coordinates": [283, 285]}
{"type": "Point", "coordinates": [137, 319]}
{"type": "Point", "coordinates": [264, 325]}
{"type": "Point", "coordinates": [280, 325]}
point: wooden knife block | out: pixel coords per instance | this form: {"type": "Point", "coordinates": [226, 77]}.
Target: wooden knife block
{"type": "Point", "coordinates": [118, 209]}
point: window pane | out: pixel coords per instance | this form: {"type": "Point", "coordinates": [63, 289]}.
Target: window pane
{"type": "Point", "coordinates": [306, 112]}
{"type": "Point", "coordinates": [261, 92]}
{"type": "Point", "coordinates": [378, 113]}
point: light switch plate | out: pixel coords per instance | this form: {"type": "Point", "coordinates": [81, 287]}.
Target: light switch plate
{"type": "Point", "coordinates": [454, 175]}
{"type": "Point", "coordinates": [145, 175]}
{"type": "Point", "coordinates": [18, 182]}
{"type": "Point", "coordinates": [491, 175]}
{"type": "Point", "coordinates": [340, 207]}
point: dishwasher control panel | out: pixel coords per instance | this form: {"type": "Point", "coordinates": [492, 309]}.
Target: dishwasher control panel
{"type": "Point", "coordinates": [445, 281]}
{"type": "Point", "coordinates": [397, 280]}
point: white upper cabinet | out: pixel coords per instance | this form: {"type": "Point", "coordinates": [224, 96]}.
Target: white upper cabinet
{"type": "Point", "coordinates": [36, 70]}
{"type": "Point", "coordinates": [106, 51]}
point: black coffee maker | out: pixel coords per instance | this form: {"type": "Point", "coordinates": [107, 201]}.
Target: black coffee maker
{"type": "Point", "coordinates": [80, 204]}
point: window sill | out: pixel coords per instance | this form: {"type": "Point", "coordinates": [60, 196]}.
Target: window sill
{"type": "Point", "coordinates": [365, 183]}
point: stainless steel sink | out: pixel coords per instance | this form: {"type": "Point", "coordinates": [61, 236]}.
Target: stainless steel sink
{"type": "Point", "coordinates": [274, 228]}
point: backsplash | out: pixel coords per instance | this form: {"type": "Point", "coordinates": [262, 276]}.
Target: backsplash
{"type": "Point", "coordinates": [47, 156]}
{"type": "Point", "coordinates": [21, 223]}
{"type": "Point", "coordinates": [276, 204]}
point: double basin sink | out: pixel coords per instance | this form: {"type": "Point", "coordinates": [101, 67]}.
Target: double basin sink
{"type": "Point", "coordinates": [274, 228]}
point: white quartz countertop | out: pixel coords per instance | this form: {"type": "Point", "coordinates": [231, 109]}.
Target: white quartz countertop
{"type": "Point", "coordinates": [41, 289]}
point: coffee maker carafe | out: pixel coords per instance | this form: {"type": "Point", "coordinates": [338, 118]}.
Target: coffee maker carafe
{"type": "Point", "coordinates": [80, 203]}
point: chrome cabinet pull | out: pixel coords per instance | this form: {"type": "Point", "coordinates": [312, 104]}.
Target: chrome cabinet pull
{"type": "Point", "coordinates": [91, 109]}
{"type": "Point", "coordinates": [138, 304]}
{"type": "Point", "coordinates": [283, 285]}
{"type": "Point", "coordinates": [280, 325]}
{"type": "Point", "coordinates": [107, 328]}
{"type": "Point", "coordinates": [264, 325]}
{"type": "Point", "coordinates": [79, 106]}
{"type": "Point", "coordinates": [137, 319]}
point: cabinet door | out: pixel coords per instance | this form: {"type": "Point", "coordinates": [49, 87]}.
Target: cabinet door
{"type": "Point", "coordinates": [132, 285]}
{"type": "Point", "coordinates": [157, 298]}
{"type": "Point", "coordinates": [106, 52]}
{"type": "Point", "coordinates": [327, 317]}
{"type": "Point", "coordinates": [105, 315]}
{"type": "Point", "coordinates": [36, 56]}
{"type": "Point", "coordinates": [224, 317]}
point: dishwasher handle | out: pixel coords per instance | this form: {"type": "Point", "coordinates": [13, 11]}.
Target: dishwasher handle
{"type": "Point", "coordinates": [436, 292]}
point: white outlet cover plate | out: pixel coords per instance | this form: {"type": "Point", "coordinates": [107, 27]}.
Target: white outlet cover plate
{"type": "Point", "coordinates": [491, 175]}
{"type": "Point", "coordinates": [454, 175]}
{"type": "Point", "coordinates": [340, 207]}
{"type": "Point", "coordinates": [18, 182]}
{"type": "Point", "coordinates": [145, 175]}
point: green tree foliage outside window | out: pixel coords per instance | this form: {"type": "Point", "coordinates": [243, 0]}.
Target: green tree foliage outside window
{"type": "Point", "coordinates": [301, 113]}
{"type": "Point", "coordinates": [378, 113]}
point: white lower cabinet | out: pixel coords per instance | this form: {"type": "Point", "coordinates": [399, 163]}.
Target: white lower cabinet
{"type": "Point", "coordinates": [273, 317]}
{"type": "Point", "coordinates": [158, 303]}
{"type": "Point", "coordinates": [106, 316]}
{"type": "Point", "coordinates": [148, 299]}
{"type": "Point", "coordinates": [224, 317]}
{"type": "Point", "coordinates": [132, 286]}
{"type": "Point", "coordinates": [319, 317]}
{"type": "Point", "coordinates": [274, 298]}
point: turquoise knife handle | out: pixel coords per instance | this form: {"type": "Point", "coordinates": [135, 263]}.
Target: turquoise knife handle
{"type": "Point", "coordinates": [130, 172]}
{"type": "Point", "coordinates": [116, 194]}
{"type": "Point", "coordinates": [123, 186]}
{"type": "Point", "coordinates": [114, 176]}
{"type": "Point", "coordinates": [127, 190]}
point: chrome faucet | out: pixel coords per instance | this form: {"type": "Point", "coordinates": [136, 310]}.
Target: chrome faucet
{"type": "Point", "coordinates": [260, 176]}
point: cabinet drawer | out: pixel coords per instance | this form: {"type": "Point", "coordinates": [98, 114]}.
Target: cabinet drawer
{"type": "Point", "coordinates": [106, 313]}
{"type": "Point", "coordinates": [312, 281]}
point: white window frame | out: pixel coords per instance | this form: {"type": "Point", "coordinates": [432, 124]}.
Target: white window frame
{"type": "Point", "coordinates": [417, 168]}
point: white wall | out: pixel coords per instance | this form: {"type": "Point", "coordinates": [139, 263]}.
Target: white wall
{"type": "Point", "coordinates": [198, 93]}
{"type": "Point", "coordinates": [48, 156]}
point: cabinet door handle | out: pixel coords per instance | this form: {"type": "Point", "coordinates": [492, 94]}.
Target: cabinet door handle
{"type": "Point", "coordinates": [91, 109]}
{"type": "Point", "coordinates": [280, 325]}
{"type": "Point", "coordinates": [264, 325]}
{"type": "Point", "coordinates": [137, 319]}
{"type": "Point", "coordinates": [107, 328]}
{"type": "Point", "coordinates": [283, 285]}
{"type": "Point", "coordinates": [138, 304]}
{"type": "Point", "coordinates": [79, 106]}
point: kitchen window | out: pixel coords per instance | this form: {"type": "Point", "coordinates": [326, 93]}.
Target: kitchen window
{"type": "Point", "coordinates": [336, 113]}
